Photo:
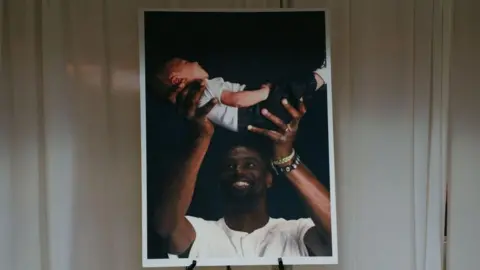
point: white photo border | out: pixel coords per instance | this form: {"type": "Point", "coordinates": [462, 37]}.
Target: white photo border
{"type": "Point", "coordinates": [177, 262]}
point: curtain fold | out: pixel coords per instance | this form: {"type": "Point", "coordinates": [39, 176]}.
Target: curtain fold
{"type": "Point", "coordinates": [70, 131]}
{"type": "Point", "coordinates": [463, 239]}
{"type": "Point", "coordinates": [5, 122]}
{"type": "Point", "coordinates": [430, 130]}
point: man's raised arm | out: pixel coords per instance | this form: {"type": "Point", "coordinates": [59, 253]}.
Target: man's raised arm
{"type": "Point", "coordinates": [179, 185]}
{"type": "Point", "coordinates": [315, 196]}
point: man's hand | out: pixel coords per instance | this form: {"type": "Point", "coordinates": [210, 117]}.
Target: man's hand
{"type": "Point", "coordinates": [284, 137]}
{"type": "Point", "coordinates": [314, 194]}
{"type": "Point", "coordinates": [187, 97]}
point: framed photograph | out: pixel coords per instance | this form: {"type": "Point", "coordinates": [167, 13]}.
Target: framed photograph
{"type": "Point", "coordinates": [237, 138]}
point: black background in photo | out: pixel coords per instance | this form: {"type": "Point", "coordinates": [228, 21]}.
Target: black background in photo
{"type": "Point", "coordinates": [247, 48]}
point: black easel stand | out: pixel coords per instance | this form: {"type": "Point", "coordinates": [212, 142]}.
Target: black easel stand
{"type": "Point", "coordinates": [191, 266]}
{"type": "Point", "coordinates": [280, 264]}
{"type": "Point", "coordinates": [194, 263]}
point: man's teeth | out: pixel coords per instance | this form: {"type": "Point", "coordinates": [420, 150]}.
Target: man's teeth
{"type": "Point", "coordinates": [241, 184]}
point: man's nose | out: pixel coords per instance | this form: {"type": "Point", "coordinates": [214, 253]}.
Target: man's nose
{"type": "Point", "coordinates": [238, 168]}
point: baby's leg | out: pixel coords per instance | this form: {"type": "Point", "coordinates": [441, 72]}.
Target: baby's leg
{"type": "Point", "coordinates": [292, 90]}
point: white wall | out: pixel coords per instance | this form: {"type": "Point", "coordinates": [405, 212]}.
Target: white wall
{"type": "Point", "coordinates": [70, 175]}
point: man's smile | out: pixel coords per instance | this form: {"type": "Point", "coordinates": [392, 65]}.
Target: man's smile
{"type": "Point", "coordinates": [241, 184]}
{"type": "Point", "coordinates": [242, 181]}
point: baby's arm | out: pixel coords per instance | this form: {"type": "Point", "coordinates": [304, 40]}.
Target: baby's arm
{"type": "Point", "coordinates": [245, 98]}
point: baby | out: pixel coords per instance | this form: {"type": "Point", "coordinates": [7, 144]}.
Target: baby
{"type": "Point", "coordinates": [238, 107]}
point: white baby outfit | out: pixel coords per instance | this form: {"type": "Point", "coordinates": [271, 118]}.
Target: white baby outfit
{"type": "Point", "coordinates": [227, 116]}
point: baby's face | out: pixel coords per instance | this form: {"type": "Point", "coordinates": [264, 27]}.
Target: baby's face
{"type": "Point", "coordinates": [189, 71]}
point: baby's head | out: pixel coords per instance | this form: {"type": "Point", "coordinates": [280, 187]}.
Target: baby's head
{"type": "Point", "coordinates": [178, 70]}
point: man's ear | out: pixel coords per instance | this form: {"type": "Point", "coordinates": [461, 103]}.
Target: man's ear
{"type": "Point", "coordinates": [269, 179]}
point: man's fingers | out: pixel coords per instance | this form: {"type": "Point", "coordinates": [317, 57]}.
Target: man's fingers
{"type": "Point", "coordinates": [187, 98]}
{"type": "Point", "coordinates": [199, 93]}
{"type": "Point", "coordinates": [204, 110]}
{"type": "Point", "coordinates": [291, 110]}
{"type": "Point", "coordinates": [180, 100]}
{"type": "Point", "coordinates": [301, 106]}
{"type": "Point", "coordinates": [275, 136]}
{"type": "Point", "coordinates": [191, 103]}
{"type": "Point", "coordinates": [175, 91]}
{"type": "Point", "coordinates": [277, 121]}
{"type": "Point", "coordinates": [195, 92]}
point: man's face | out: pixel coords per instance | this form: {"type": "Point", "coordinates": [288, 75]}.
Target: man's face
{"type": "Point", "coordinates": [244, 175]}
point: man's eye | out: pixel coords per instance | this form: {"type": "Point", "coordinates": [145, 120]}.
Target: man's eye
{"type": "Point", "coordinates": [231, 166]}
{"type": "Point", "coordinates": [251, 165]}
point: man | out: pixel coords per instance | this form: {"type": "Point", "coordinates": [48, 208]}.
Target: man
{"type": "Point", "coordinates": [246, 230]}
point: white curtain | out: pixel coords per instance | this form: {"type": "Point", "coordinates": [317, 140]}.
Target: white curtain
{"type": "Point", "coordinates": [70, 131]}
{"type": "Point", "coordinates": [463, 246]}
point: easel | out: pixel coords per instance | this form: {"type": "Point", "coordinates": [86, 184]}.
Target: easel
{"type": "Point", "coordinates": [191, 266]}
{"type": "Point", "coordinates": [194, 263]}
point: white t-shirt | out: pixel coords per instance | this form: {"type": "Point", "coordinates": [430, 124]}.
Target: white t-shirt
{"type": "Point", "coordinates": [278, 238]}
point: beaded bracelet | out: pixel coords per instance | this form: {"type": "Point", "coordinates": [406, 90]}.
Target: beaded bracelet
{"type": "Point", "coordinates": [288, 168]}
